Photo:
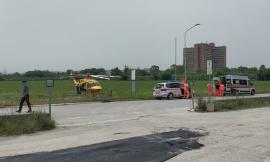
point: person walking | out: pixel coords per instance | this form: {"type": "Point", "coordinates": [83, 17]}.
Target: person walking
{"type": "Point", "coordinates": [25, 98]}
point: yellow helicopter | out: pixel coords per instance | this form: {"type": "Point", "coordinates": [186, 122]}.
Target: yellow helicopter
{"type": "Point", "coordinates": [86, 85]}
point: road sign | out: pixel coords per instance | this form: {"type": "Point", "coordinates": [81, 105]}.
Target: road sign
{"type": "Point", "coordinates": [49, 83]}
{"type": "Point", "coordinates": [209, 67]}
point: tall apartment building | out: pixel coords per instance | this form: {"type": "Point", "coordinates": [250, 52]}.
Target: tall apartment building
{"type": "Point", "coordinates": [196, 57]}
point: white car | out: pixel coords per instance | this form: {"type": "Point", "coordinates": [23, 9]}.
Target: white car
{"type": "Point", "coordinates": [168, 90]}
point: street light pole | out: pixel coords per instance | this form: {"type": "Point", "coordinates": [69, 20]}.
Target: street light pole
{"type": "Point", "coordinates": [185, 46]}
{"type": "Point", "coordinates": [175, 58]}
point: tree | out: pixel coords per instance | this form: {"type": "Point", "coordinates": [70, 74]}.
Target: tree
{"type": "Point", "coordinates": [101, 71]}
{"type": "Point", "coordinates": [142, 72]}
{"type": "Point", "coordinates": [94, 71]}
{"type": "Point", "coordinates": [126, 73]}
{"type": "Point", "coordinates": [116, 71]}
{"type": "Point", "coordinates": [35, 73]}
{"type": "Point", "coordinates": [69, 72]}
{"type": "Point", "coordinates": [166, 75]}
{"type": "Point", "coordinates": [243, 69]}
{"type": "Point", "coordinates": [180, 69]}
{"type": "Point", "coordinates": [155, 72]}
{"type": "Point", "coordinates": [1, 77]}
{"type": "Point", "coordinates": [262, 73]}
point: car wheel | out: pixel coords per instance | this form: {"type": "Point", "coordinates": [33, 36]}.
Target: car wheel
{"type": "Point", "coordinates": [170, 96]}
{"type": "Point", "coordinates": [252, 92]}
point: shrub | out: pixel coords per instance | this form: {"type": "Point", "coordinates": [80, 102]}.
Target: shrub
{"type": "Point", "coordinates": [201, 105]}
{"type": "Point", "coordinates": [25, 123]}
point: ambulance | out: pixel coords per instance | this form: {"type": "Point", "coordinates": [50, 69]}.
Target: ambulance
{"type": "Point", "coordinates": [235, 84]}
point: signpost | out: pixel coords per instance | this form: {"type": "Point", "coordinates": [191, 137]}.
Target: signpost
{"type": "Point", "coordinates": [133, 81]}
{"type": "Point", "coordinates": [49, 85]}
{"type": "Point", "coordinates": [209, 67]}
{"type": "Point", "coordinates": [210, 106]}
{"type": "Point", "coordinates": [209, 73]}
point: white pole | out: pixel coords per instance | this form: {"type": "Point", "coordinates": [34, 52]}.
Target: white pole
{"type": "Point", "coordinates": [50, 101]}
{"type": "Point", "coordinates": [175, 58]}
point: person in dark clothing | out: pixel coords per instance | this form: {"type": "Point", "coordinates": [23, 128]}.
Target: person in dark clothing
{"type": "Point", "coordinates": [25, 98]}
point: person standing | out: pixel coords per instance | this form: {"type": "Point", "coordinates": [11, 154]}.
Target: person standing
{"type": "Point", "coordinates": [221, 88]}
{"type": "Point", "coordinates": [25, 98]}
{"type": "Point", "coordinates": [186, 90]}
{"type": "Point", "coordinates": [217, 88]}
{"type": "Point", "coordinates": [210, 90]}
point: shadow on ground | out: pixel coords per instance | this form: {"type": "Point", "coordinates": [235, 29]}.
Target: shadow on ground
{"type": "Point", "coordinates": [150, 148]}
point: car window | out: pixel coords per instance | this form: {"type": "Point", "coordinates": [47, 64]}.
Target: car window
{"type": "Point", "coordinates": [235, 81]}
{"type": "Point", "coordinates": [243, 82]}
{"type": "Point", "coordinates": [173, 85]}
{"type": "Point", "coordinates": [168, 85]}
{"type": "Point", "coordinates": [158, 86]}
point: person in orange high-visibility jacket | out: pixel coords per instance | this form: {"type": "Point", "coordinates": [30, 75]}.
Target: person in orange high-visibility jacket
{"type": "Point", "coordinates": [210, 90]}
{"type": "Point", "coordinates": [221, 89]}
{"type": "Point", "coordinates": [217, 88]}
{"type": "Point", "coordinates": [186, 90]}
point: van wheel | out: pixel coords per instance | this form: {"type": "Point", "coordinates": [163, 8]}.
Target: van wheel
{"type": "Point", "coordinates": [252, 92]}
{"type": "Point", "coordinates": [170, 96]}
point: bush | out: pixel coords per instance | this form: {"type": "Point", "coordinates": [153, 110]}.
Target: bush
{"type": "Point", "coordinates": [25, 123]}
{"type": "Point", "coordinates": [201, 105]}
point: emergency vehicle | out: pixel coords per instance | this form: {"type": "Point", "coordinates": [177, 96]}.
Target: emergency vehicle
{"type": "Point", "coordinates": [168, 90]}
{"type": "Point", "coordinates": [235, 84]}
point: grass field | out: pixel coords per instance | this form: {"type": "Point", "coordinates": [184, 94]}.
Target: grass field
{"type": "Point", "coordinates": [64, 92]}
{"type": "Point", "coordinates": [25, 123]}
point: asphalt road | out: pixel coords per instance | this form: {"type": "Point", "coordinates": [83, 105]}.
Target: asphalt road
{"type": "Point", "coordinates": [150, 148]}
{"type": "Point", "coordinates": [96, 112]}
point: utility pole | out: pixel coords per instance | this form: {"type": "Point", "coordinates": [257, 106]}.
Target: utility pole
{"type": "Point", "coordinates": [185, 60]}
{"type": "Point", "coordinates": [175, 58]}
{"type": "Point", "coordinates": [185, 46]}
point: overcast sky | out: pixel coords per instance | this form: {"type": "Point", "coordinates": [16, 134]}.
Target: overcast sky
{"type": "Point", "coordinates": [74, 34]}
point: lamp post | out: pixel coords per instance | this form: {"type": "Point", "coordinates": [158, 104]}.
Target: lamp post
{"type": "Point", "coordinates": [175, 56]}
{"type": "Point", "coordinates": [185, 46]}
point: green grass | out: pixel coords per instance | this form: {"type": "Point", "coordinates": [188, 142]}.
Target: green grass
{"type": "Point", "coordinates": [64, 91]}
{"type": "Point", "coordinates": [239, 104]}
{"type": "Point", "coordinates": [25, 123]}
{"type": "Point", "coordinates": [235, 104]}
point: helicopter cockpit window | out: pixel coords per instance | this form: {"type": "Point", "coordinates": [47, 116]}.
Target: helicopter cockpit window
{"type": "Point", "coordinates": [89, 85]}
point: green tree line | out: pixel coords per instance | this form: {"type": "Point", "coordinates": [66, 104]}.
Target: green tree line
{"type": "Point", "coordinates": [152, 73]}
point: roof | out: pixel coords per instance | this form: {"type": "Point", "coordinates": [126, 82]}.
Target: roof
{"type": "Point", "coordinates": [236, 77]}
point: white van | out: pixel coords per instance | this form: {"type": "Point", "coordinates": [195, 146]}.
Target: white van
{"type": "Point", "coordinates": [236, 84]}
